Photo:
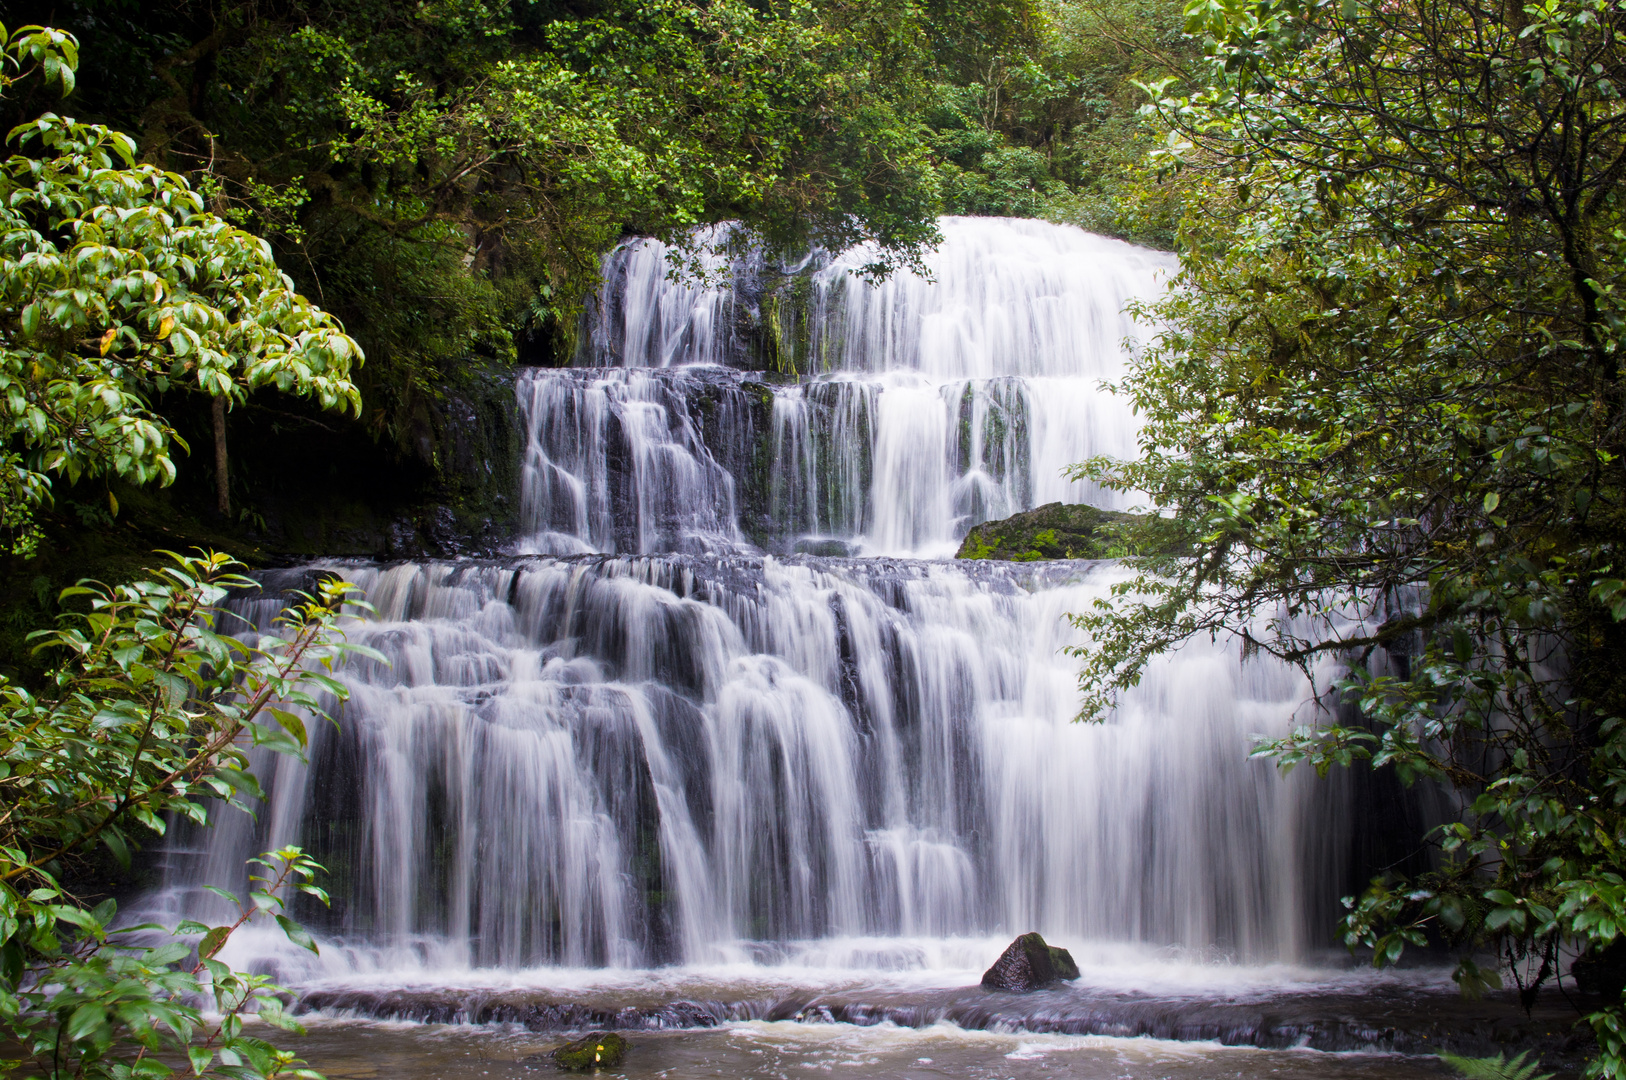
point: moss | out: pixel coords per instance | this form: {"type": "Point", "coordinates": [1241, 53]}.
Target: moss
{"type": "Point", "coordinates": [975, 547]}
{"type": "Point", "coordinates": [599, 1050]}
{"type": "Point", "coordinates": [1054, 531]}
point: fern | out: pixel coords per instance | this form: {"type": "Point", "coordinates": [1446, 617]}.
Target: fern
{"type": "Point", "coordinates": [1496, 1068]}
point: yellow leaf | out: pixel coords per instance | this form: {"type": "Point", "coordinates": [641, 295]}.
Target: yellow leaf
{"type": "Point", "coordinates": [165, 327]}
{"type": "Point", "coordinates": [113, 504]}
{"type": "Point", "coordinates": [107, 340]}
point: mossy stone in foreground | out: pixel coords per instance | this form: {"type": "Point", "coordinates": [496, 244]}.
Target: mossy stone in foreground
{"type": "Point", "coordinates": [1053, 531]}
{"type": "Point", "coordinates": [602, 1049]}
{"type": "Point", "coordinates": [1029, 963]}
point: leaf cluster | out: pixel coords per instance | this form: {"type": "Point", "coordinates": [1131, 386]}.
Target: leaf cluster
{"type": "Point", "coordinates": [1386, 409]}
{"type": "Point", "coordinates": [148, 719]}
{"type": "Point", "coordinates": [116, 286]}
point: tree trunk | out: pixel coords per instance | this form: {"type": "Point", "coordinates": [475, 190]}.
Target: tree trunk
{"type": "Point", "coordinates": [222, 484]}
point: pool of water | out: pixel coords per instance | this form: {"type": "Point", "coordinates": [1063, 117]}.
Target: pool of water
{"type": "Point", "coordinates": [915, 1009]}
{"type": "Point", "coordinates": [783, 1050]}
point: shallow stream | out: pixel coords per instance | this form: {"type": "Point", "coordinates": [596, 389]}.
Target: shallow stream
{"type": "Point", "coordinates": [783, 1050]}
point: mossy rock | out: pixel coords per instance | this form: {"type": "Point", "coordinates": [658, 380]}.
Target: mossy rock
{"type": "Point", "coordinates": [600, 1050]}
{"type": "Point", "coordinates": [1029, 963]}
{"type": "Point", "coordinates": [1053, 531]}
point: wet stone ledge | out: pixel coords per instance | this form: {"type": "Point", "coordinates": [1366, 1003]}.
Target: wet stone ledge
{"type": "Point", "coordinates": [1402, 1021]}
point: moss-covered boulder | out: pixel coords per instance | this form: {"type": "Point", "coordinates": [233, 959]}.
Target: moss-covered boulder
{"type": "Point", "coordinates": [1053, 531]}
{"type": "Point", "coordinates": [1029, 963]}
{"type": "Point", "coordinates": [600, 1050]}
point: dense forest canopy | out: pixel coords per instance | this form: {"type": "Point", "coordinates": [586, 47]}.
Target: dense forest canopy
{"type": "Point", "coordinates": [444, 176]}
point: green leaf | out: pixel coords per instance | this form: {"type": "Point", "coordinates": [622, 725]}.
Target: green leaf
{"type": "Point", "coordinates": [87, 1020]}
{"type": "Point", "coordinates": [1496, 1068]}
{"type": "Point", "coordinates": [297, 934]}
{"type": "Point", "coordinates": [213, 941]}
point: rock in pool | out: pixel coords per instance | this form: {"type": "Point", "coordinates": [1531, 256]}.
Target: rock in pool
{"type": "Point", "coordinates": [1029, 964]}
{"type": "Point", "coordinates": [602, 1049]}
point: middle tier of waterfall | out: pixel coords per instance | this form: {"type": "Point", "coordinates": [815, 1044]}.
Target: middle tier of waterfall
{"type": "Point", "coordinates": [889, 418]}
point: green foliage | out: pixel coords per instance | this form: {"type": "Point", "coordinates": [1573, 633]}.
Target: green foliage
{"type": "Point", "coordinates": [1496, 1068]}
{"type": "Point", "coordinates": [446, 176]}
{"type": "Point", "coordinates": [1387, 412]}
{"type": "Point", "coordinates": [116, 286]}
{"type": "Point", "coordinates": [1049, 124]}
{"type": "Point", "coordinates": [150, 714]}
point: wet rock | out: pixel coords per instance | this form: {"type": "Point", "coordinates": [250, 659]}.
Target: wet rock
{"type": "Point", "coordinates": [1602, 971]}
{"type": "Point", "coordinates": [599, 1050]}
{"type": "Point", "coordinates": [1029, 963]}
{"type": "Point", "coordinates": [839, 549]}
{"type": "Point", "coordinates": [1053, 531]}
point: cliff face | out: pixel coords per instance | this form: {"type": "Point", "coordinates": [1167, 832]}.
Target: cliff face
{"type": "Point", "coordinates": [1053, 531]}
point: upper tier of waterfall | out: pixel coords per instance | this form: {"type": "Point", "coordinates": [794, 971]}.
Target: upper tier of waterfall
{"type": "Point", "coordinates": [684, 724]}
{"type": "Point", "coordinates": [1001, 297]}
{"type": "Point", "coordinates": [894, 416]}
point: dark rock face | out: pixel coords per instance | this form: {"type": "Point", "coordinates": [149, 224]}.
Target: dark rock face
{"type": "Point", "coordinates": [1029, 964]}
{"type": "Point", "coordinates": [1053, 531]}
{"type": "Point", "coordinates": [599, 1050]}
{"type": "Point", "coordinates": [1602, 971]}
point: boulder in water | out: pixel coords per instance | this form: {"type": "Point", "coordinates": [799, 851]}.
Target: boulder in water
{"type": "Point", "coordinates": [1029, 963]}
{"type": "Point", "coordinates": [1053, 531]}
{"type": "Point", "coordinates": [600, 1050]}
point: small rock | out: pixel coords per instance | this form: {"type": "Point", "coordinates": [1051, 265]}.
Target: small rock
{"type": "Point", "coordinates": [601, 1049]}
{"type": "Point", "coordinates": [1029, 964]}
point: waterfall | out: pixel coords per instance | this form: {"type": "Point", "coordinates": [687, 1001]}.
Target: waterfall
{"type": "Point", "coordinates": [921, 406]}
{"type": "Point", "coordinates": [614, 461]}
{"type": "Point", "coordinates": [708, 713]}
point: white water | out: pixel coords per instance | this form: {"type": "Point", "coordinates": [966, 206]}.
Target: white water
{"type": "Point", "coordinates": [927, 404]}
{"type": "Point", "coordinates": [690, 753]}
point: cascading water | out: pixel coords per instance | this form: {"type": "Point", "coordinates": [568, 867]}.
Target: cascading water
{"type": "Point", "coordinates": [647, 741]}
{"type": "Point", "coordinates": [922, 405]}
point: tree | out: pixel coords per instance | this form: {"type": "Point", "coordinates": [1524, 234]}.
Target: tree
{"type": "Point", "coordinates": [144, 722]}
{"type": "Point", "coordinates": [1386, 413]}
{"type": "Point", "coordinates": [446, 176]}
{"type": "Point", "coordinates": [116, 285]}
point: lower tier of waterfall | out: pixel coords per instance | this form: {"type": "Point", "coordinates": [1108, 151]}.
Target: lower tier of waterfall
{"type": "Point", "coordinates": [628, 761]}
